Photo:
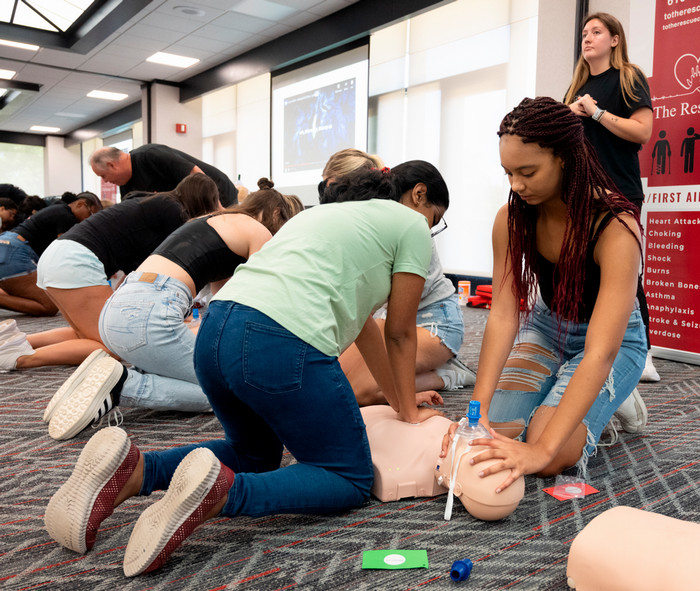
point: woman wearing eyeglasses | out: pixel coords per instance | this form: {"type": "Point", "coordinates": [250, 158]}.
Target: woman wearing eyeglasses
{"type": "Point", "coordinates": [266, 356]}
{"type": "Point", "coordinates": [439, 323]}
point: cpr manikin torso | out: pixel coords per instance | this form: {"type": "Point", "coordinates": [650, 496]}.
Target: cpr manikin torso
{"type": "Point", "coordinates": [403, 455]}
{"type": "Point", "coordinates": [626, 549]}
{"type": "Point", "coordinates": [407, 464]}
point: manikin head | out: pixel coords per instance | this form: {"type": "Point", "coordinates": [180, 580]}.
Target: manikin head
{"type": "Point", "coordinates": [477, 494]}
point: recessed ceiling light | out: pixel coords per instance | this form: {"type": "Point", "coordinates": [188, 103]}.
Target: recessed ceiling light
{"type": "Point", "coordinates": [108, 96]}
{"type": "Point", "coordinates": [44, 128]}
{"type": "Point", "coordinates": [7, 74]}
{"type": "Point", "coordinates": [170, 59]}
{"type": "Point", "coordinates": [189, 10]}
{"type": "Point", "coordinates": [19, 45]}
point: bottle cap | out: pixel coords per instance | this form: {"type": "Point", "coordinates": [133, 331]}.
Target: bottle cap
{"type": "Point", "coordinates": [474, 411]}
{"type": "Point", "coordinates": [461, 569]}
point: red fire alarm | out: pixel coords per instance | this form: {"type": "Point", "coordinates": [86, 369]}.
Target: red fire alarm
{"type": "Point", "coordinates": [180, 128]}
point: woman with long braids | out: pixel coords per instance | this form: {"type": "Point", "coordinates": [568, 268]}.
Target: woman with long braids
{"type": "Point", "coordinates": [555, 380]}
{"type": "Point", "coordinates": [611, 95]}
{"type": "Point", "coordinates": [267, 358]}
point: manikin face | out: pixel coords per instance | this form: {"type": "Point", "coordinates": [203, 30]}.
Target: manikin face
{"type": "Point", "coordinates": [534, 172]}
{"type": "Point", "coordinates": [596, 41]}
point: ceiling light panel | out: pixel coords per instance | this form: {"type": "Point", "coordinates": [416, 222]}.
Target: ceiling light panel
{"type": "Point", "coordinates": [18, 45]}
{"type": "Point", "coordinates": [44, 129]}
{"type": "Point", "coordinates": [170, 59]}
{"type": "Point", "coordinates": [7, 74]}
{"type": "Point", "coordinates": [271, 11]}
{"type": "Point", "coordinates": [107, 96]}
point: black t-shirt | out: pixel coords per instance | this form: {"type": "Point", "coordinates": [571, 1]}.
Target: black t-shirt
{"type": "Point", "coordinates": [124, 235]}
{"type": "Point", "coordinates": [619, 157]}
{"type": "Point", "coordinates": [155, 167]}
{"type": "Point", "coordinates": [46, 225]}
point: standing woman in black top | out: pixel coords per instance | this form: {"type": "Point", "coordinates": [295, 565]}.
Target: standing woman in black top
{"type": "Point", "coordinates": [611, 95]}
{"type": "Point", "coordinates": [74, 269]}
{"type": "Point", "coordinates": [21, 247]}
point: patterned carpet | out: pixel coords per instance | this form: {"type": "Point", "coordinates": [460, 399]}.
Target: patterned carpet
{"type": "Point", "coordinates": [658, 471]}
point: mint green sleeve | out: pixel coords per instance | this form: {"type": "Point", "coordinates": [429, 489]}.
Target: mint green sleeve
{"type": "Point", "coordinates": [414, 249]}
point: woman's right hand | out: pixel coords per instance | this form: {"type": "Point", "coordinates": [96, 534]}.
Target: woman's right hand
{"type": "Point", "coordinates": [449, 436]}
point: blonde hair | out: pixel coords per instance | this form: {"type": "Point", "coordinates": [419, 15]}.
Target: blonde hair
{"type": "Point", "coordinates": [295, 204]}
{"type": "Point", "coordinates": [350, 160]}
{"type": "Point", "coordinates": [630, 74]}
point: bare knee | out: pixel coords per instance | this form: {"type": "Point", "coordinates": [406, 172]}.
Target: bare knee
{"type": "Point", "coordinates": [525, 371]}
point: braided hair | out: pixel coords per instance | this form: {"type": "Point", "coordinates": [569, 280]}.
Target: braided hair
{"type": "Point", "coordinates": [587, 191]}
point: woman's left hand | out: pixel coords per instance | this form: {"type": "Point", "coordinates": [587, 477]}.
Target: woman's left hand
{"type": "Point", "coordinates": [521, 458]}
{"type": "Point", "coordinates": [430, 397]}
{"type": "Point", "coordinates": [584, 106]}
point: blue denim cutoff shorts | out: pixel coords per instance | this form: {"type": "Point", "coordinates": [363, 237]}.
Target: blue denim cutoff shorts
{"type": "Point", "coordinates": [17, 258]}
{"type": "Point", "coordinates": [443, 319]}
{"type": "Point", "coordinates": [548, 388]}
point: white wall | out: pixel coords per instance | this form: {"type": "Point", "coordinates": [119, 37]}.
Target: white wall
{"type": "Point", "coordinates": [61, 167]}
{"type": "Point", "coordinates": [236, 130]}
{"type": "Point", "coordinates": [464, 65]}
{"type": "Point", "coordinates": [166, 111]}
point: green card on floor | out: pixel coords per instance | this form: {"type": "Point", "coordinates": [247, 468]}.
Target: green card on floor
{"type": "Point", "coordinates": [395, 559]}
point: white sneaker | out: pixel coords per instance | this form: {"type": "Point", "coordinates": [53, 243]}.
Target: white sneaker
{"type": "Point", "coordinates": [90, 401]}
{"type": "Point", "coordinates": [632, 413]}
{"type": "Point", "coordinates": [8, 328]}
{"type": "Point", "coordinates": [72, 382]}
{"type": "Point", "coordinates": [12, 347]}
{"type": "Point", "coordinates": [455, 375]}
{"type": "Point", "coordinates": [649, 374]}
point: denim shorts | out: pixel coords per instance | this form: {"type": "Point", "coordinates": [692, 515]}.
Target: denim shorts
{"type": "Point", "coordinates": [66, 264]}
{"type": "Point", "coordinates": [17, 258]}
{"type": "Point", "coordinates": [443, 319]}
{"type": "Point", "coordinates": [560, 360]}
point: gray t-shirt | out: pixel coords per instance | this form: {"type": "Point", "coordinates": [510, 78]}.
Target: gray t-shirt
{"type": "Point", "coordinates": [437, 286]}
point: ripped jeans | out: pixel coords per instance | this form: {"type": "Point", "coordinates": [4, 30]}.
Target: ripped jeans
{"type": "Point", "coordinates": [538, 342]}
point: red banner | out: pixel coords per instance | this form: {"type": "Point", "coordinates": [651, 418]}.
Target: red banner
{"type": "Point", "coordinates": [672, 280]}
{"type": "Point", "coordinates": [672, 157]}
{"type": "Point", "coordinates": [671, 163]}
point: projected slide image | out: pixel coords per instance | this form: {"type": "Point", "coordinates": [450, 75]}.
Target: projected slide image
{"type": "Point", "coordinates": [318, 123]}
{"type": "Point", "coordinates": [315, 115]}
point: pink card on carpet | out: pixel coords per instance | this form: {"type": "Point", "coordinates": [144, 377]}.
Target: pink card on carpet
{"type": "Point", "coordinates": [566, 492]}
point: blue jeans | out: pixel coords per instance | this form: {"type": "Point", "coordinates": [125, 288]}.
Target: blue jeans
{"type": "Point", "coordinates": [17, 258]}
{"type": "Point", "coordinates": [143, 323]}
{"type": "Point", "coordinates": [559, 361]}
{"type": "Point", "coordinates": [268, 388]}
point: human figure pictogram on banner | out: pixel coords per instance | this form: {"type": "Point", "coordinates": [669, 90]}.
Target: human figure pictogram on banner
{"type": "Point", "coordinates": [688, 150]}
{"type": "Point", "coordinates": [661, 154]}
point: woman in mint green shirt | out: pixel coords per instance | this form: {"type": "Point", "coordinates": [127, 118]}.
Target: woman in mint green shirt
{"type": "Point", "coordinates": [267, 358]}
